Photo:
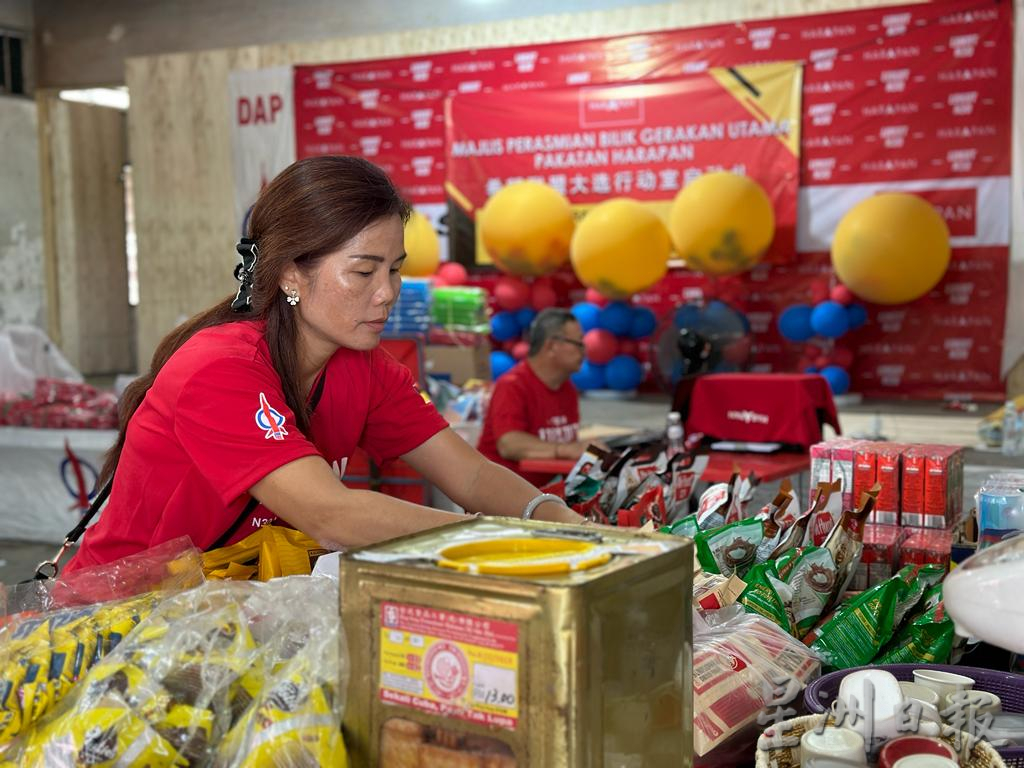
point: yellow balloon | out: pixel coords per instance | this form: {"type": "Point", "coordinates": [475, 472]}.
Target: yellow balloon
{"type": "Point", "coordinates": [891, 248]}
{"type": "Point", "coordinates": [620, 248]}
{"type": "Point", "coordinates": [422, 248]}
{"type": "Point", "coordinates": [721, 223]}
{"type": "Point", "coordinates": [526, 228]}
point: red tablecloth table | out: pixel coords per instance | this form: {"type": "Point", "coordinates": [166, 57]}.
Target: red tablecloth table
{"type": "Point", "coordinates": [768, 466]}
{"type": "Point", "coordinates": [762, 408]}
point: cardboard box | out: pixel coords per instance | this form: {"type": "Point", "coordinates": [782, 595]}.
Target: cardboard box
{"type": "Point", "coordinates": [933, 485]}
{"type": "Point", "coordinates": [865, 471]}
{"type": "Point", "coordinates": [460, 364]}
{"type": "Point", "coordinates": [844, 451]}
{"type": "Point", "coordinates": [880, 556]}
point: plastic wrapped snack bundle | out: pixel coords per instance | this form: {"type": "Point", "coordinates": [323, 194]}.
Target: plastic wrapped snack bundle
{"type": "Point", "coordinates": [226, 675]}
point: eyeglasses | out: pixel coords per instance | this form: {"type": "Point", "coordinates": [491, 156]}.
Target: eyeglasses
{"type": "Point", "coordinates": [575, 343]}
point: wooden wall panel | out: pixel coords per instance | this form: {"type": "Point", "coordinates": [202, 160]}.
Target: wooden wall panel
{"type": "Point", "coordinates": [180, 144]}
{"type": "Point", "coordinates": [86, 157]}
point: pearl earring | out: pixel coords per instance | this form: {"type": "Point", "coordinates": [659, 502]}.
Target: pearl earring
{"type": "Point", "coordinates": [293, 298]}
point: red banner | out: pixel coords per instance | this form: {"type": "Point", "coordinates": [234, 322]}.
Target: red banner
{"type": "Point", "coordinates": [908, 97]}
{"type": "Point", "coordinates": [644, 140]}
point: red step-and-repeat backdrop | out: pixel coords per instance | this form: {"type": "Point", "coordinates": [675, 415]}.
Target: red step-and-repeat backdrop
{"type": "Point", "coordinates": [909, 98]}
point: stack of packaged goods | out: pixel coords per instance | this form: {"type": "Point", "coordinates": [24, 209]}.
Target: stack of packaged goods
{"type": "Point", "coordinates": [412, 312]}
{"type": "Point", "coordinates": [460, 309]}
{"type": "Point", "coordinates": [919, 507]}
{"type": "Point", "coordinates": [59, 404]}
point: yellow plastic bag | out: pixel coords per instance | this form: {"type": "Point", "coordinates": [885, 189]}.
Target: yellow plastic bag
{"type": "Point", "coordinates": [270, 552]}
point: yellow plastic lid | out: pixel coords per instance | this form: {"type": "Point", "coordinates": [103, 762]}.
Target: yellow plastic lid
{"type": "Point", "coordinates": [534, 556]}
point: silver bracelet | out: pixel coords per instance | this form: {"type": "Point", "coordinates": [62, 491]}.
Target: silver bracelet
{"type": "Point", "coordinates": [536, 501]}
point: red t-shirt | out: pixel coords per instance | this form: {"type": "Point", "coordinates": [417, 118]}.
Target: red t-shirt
{"type": "Point", "coordinates": [521, 402]}
{"type": "Point", "coordinates": [215, 422]}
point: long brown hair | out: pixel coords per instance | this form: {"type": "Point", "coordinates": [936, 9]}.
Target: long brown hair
{"type": "Point", "coordinates": [312, 208]}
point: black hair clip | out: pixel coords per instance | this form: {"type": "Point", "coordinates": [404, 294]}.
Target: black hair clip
{"type": "Point", "coordinates": [250, 254]}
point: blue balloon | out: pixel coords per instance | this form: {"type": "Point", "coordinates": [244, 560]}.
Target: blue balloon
{"type": "Point", "coordinates": [589, 376]}
{"type": "Point", "coordinates": [587, 314]}
{"type": "Point", "coordinates": [838, 379]}
{"type": "Point", "coordinates": [857, 316]}
{"type": "Point", "coordinates": [505, 327]}
{"type": "Point", "coordinates": [616, 317]}
{"type": "Point", "coordinates": [829, 319]}
{"type": "Point", "coordinates": [624, 372]}
{"type": "Point", "coordinates": [795, 323]}
{"type": "Point", "coordinates": [642, 323]}
{"type": "Point", "coordinates": [718, 313]}
{"type": "Point", "coordinates": [501, 363]}
{"type": "Point", "coordinates": [524, 317]}
{"type": "Point", "coordinates": [687, 316]}
{"type": "Point", "coordinates": [812, 369]}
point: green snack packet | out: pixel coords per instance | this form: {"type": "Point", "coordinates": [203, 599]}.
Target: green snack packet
{"type": "Point", "coordinates": [784, 563]}
{"type": "Point", "coordinates": [731, 548]}
{"type": "Point", "coordinates": [686, 527]}
{"type": "Point", "coordinates": [927, 639]}
{"type": "Point", "coordinates": [812, 578]}
{"type": "Point", "coordinates": [932, 597]}
{"type": "Point", "coordinates": [768, 596]}
{"type": "Point", "coordinates": [915, 580]}
{"type": "Point", "coordinates": [859, 629]}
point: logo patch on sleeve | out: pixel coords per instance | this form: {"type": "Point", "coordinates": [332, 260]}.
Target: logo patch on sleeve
{"type": "Point", "coordinates": [270, 420]}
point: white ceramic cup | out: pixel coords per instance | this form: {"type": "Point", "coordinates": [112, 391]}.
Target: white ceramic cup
{"type": "Point", "coordinates": [942, 682]}
{"type": "Point", "coordinates": [886, 701]}
{"type": "Point", "coordinates": [833, 744]}
{"type": "Point", "coordinates": [925, 697]}
{"type": "Point", "coordinates": [980, 702]}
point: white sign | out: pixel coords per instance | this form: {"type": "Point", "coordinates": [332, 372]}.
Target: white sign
{"type": "Point", "coordinates": [262, 131]}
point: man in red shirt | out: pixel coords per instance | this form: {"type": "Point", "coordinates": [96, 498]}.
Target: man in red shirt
{"type": "Point", "coordinates": [534, 410]}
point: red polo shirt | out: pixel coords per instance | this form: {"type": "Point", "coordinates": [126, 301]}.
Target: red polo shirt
{"type": "Point", "coordinates": [215, 422]}
{"type": "Point", "coordinates": [521, 402]}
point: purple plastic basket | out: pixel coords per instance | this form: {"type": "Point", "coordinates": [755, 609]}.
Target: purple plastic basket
{"type": "Point", "coordinates": [819, 695]}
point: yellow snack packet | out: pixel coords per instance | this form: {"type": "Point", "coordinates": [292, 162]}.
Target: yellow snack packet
{"type": "Point", "coordinates": [100, 737]}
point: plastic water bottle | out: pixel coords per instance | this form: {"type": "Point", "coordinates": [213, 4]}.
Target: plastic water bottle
{"type": "Point", "coordinates": [674, 434]}
{"type": "Point", "coordinates": [1019, 449]}
{"type": "Point", "coordinates": [1010, 432]}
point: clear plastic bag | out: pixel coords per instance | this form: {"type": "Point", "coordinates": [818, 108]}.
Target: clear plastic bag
{"type": "Point", "coordinates": [227, 675]}
{"type": "Point", "coordinates": [745, 670]}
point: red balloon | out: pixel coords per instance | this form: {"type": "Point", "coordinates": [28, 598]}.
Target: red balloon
{"type": "Point", "coordinates": [819, 291]}
{"type": "Point", "coordinates": [510, 345]}
{"type": "Point", "coordinates": [452, 273]}
{"type": "Point", "coordinates": [520, 350]}
{"type": "Point", "coordinates": [511, 293]}
{"type": "Point", "coordinates": [842, 295]}
{"type": "Point", "coordinates": [629, 347]}
{"type": "Point", "coordinates": [842, 356]}
{"type": "Point", "coordinates": [594, 296]}
{"type": "Point", "coordinates": [543, 295]}
{"type": "Point", "coordinates": [601, 346]}
{"type": "Point", "coordinates": [821, 361]}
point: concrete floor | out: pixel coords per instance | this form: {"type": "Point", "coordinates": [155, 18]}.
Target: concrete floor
{"type": "Point", "coordinates": [902, 422]}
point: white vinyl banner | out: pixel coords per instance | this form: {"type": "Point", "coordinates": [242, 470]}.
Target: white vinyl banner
{"type": "Point", "coordinates": [262, 131]}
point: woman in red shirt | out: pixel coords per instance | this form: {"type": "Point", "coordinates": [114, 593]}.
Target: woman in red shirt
{"type": "Point", "coordinates": [252, 408]}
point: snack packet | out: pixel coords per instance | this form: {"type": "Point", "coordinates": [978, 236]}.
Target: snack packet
{"type": "Point", "coordinates": [812, 578]}
{"type": "Point", "coordinates": [742, 492]}
{"type": "Point", "coordinates": [687, 469]}
{"type": "Point", "coordinates": [686, 526]}
{"type": "Point", "coordinates": [854, 634]}
{"type": "Point", "coordinates": [828, 511]}
{"type": "Point", "coordinates": [772, 515]}
{"type": "Point", "coordinates": [915, 581]}
{"type": "Point", "coordinates": [846, 542]}
{"type": "Point", "coordinates": [769, 596]}
{"type": "Point", "coordinates": [926, 639]}
{"type": "Point", "coordinates": [714, 504]}
{"type": "Point", "coordinates": [712, 591]}
{"type": "Point", "coordinates": [731, 548]}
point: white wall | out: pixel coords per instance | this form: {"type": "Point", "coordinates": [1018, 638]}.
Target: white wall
{"type": "Point", "coordinates": [21, 221]}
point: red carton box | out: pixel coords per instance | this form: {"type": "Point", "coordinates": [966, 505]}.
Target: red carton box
{"type": "Point", "coordinates": [889, 461]}
{"type": "Point", "coordinates": [865, 470]}
{"type": "Point", "coordinates": [924, 546]}
{"type": "Point", "coordinates": [880, 556]}
{"type": "Point", "coordinates": [932, 486]}
{"type": "Point", "coordinates": [821, 467]}
{"type": "Point", "coordinates": [844, 451]}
